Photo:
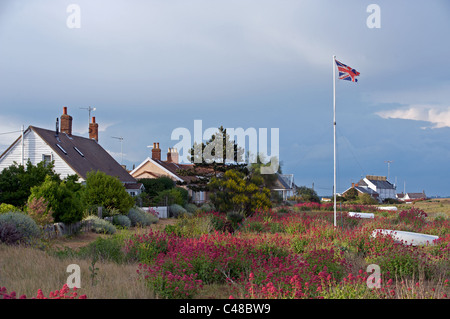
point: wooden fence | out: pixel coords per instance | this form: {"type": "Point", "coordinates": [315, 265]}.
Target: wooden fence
{"type": "Point", "coordinates": [61, 229]}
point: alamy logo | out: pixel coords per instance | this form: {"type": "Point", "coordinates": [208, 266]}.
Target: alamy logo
{"type": "Point", "coordinates": [374, 19]}
{"type": "Point", "coordinates": [214, 150]}
{"type": "Point", "coordinates": [74, 279]}
{"type": "Point", "coordinates": [74, 19]}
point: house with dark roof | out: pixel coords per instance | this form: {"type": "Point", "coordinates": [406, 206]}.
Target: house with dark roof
{"type": "Point", "coordinates": [376, 186]}
{"type": "Point", "coordinates": [154, 167]}
{"type": "Point", "coordinates": [71, 154]}
{"type": "Point", "coordinates": [409, 197]}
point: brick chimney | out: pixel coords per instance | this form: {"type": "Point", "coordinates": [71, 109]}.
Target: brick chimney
{"type": "Point", "coordinates": [66, 122]}
{"type": "Point", "coordinates": [156, 152]}
{"type": "Point", "coordinates": [93, 129]}
{"type": "Point", "coordinates": [172, 155]}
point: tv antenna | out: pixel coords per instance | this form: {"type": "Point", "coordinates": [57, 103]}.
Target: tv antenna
{"type": "Point", "coordinates": [121, 148]}
{"type": "Point", "coordinates": [389, 166]}
{"type": "Point", "coordinates": [90, 109]}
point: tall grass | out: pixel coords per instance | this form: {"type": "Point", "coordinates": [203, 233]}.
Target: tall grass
{"type": "Point", "coordinates": [26, 269]}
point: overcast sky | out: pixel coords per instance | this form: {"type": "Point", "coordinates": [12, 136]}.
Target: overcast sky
{"type": "Point", "coordinates": [149, 67]}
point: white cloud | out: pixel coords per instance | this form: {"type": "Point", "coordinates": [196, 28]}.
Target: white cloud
{"type": "Point", "coordinates": [438, 116]}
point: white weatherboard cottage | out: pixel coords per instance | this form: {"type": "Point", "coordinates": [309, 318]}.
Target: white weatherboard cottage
{"type": "Point", "coordinates": [72, 155]}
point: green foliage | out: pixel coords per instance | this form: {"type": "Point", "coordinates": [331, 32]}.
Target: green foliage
{"type": "Point", "coordinates": [106, 249]}
{"type": "Point", "coordinates": [233, 192]}
{"type": "Point", "coordinates": [99, 225]}
{"type": "Point", "coordinates": [351, 194]}
{"type": "Point", "coordinates": [307, 194]}
{"type": "Point", "coordinates": [139, 217]}
{"type": "Point", "coordinates": [106, 191]}
{"type": "Point", "coordinates": [235, 218]}
{"type": "Point", "coordinates": [366, 199]}
{"type": "Point", "coordinates": [65, 204]}
{"type": "Point", "coordinates": [192, 226]}
{"type": "Point", "coordinates": [122, 221]}
{"type": "Point", "coordinates": [6, 208]}
{"type": "Point", "coordinates": [22, 222]}
{"type": "Point", "coordinates": [268, 180]}
{"type": "Point", "coordinates": [206, 208]}
{"type": "Point", "coordinates": [153, 186]}
{"type": "Point", "coordinates": [177, 210]}
{"type": "Point", "coordinates": [38, 209]}
{"type": "Point", "coordinates": [175, 195]}
{"type": "Point", "coordinates": [110, 248]}
{"type": "Point", "coordinates": [191, 208]}
{"type": "Point", "coordinates": [17, 180]}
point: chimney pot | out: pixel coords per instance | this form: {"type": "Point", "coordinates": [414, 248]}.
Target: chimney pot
{"type": "Point", "coordinates": [156, 152]}
{"type": "Point", "coordinates": [172, 156]}
{"type": "Point", "coordinates": [93, 129]}
{"type": "Point", "coordinates": [66, 122]}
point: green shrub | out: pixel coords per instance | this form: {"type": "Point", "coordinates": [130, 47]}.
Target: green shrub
{"type": "Point", "coordinates": [177, 210]}
{"type": "Point", "coordinates": [122, 221]}
{"type": "Point", "coordinates": [106, 191]}
{"type": "Point", "coordinates": [139, 217]}
{"type": "Point", "coordinates": [194, 226]}
{"type": "Point", "coordinates": [99, 225]}
{"type": "Point", "coordinates": [235, 218]}
{"type": "Point", "coordinates": [205, 208]}
{"type": "Point", "coordinates": [175, 195]}
{"type": "Point", "coordinates": [109, 249]}
{"type": "Point", "coordinates": [61, 200]}
{"type": "Point", "coordinates": [191, 208]}
{"type": "Point", "coordinates": [6, 208]}
{"type": "Point", "coordinates": [23, 223]}
{"type": "Point", "coordinates": [9, 234]}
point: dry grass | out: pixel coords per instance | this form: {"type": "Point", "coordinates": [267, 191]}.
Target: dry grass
{"type": "Point", "coordinates": [25, 270]}
{"type": "Point", "coordinates": [434, 207]}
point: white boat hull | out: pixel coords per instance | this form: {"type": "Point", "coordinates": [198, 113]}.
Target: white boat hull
{"type": "Point", "coordinates": [361, 215]}
{"type": "Point", "coordinates": [389, 208]}
{"type": "Point", "coordinates": [408, 238]}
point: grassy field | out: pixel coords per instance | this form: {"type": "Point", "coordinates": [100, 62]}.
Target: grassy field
{"type": "Point", "coordinates": [433, 207]}
{"type": "Point", "coordinates": [27, 269]}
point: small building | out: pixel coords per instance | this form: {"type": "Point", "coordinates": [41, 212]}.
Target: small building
{"type": "Point", "coordinates": [154, 167]}
{"type": "Point", "coordinates": [409, 197]}
{"type": "Point", "coordinates": [284, 186]}
{"type": "Point", "coordinates": [376, 186]}
{"type": "Point", "coordinates": [71, 154]}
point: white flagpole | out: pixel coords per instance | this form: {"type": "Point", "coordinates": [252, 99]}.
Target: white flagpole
{"type": "Point", "coordinates": [334, 135]}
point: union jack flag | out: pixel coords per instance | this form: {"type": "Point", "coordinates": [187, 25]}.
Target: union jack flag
{"type": "Point", "coordinates": [346, 72]}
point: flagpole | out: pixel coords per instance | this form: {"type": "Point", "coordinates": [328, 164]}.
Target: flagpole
{"type": "Point", "coordinates": [334, 136]}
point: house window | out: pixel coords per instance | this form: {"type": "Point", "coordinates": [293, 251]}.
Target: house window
{"type": "Point", "coordinates": [199, 197]}
{"type": "Point", "coordinates": [133, 194]}
{"type": "Point", "coordinates": [47, 159]}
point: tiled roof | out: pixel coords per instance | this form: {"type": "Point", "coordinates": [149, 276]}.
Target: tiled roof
{"type": "Point", "coordinates": [382, 184]}
{"type": "Point", "coordinates": [83, 154]}
{"type": "Point", "coordinates": [176, 169]}
{"type": "Point", "coordinates": [365, 190]}
{"type": "Point", "coordinates": [416, 195]}
{"type": "Point", "coordinates": [284, 182]}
